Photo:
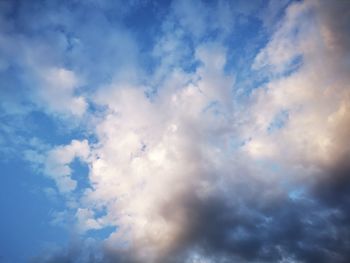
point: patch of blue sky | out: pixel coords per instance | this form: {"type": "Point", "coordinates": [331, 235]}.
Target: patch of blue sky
{"type": "Point", "coordinates": [15, 97]}
{"type": "Point", "coordinates": [14, 136]}
{"type": "Point", "coordinates": [279, 121]}
{"type": "Point", "coordinates": [292, 66]}
{"type": "Point", "coordinates": [26, 213]}
{"type": "Point", "coordinates": [104, 232]}
{"type": "Point", "coordinates": [242, 48]}
{"type": "Point", "coordinates": [97, 109]}
{"type": "Point", "coordinates": [52, 129]}
{"type": "Point", "coordinates": [26, 203]}
{"type": "Point", "coordinates": [213, 107]}
{"type": "Point", "coordinates": [100, 212]}
{"type": "Point", "coordinates": [145, 20]}
{"type": "Point", "coordinates": [101, 234]}
{"type": "Point", "coordinates": [80, 173]}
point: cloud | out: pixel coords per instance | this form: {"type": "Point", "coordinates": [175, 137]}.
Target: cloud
{"type": "Point", "coordinates": [58, 88]}
{"type": "Point", "coordinates": [57, 163]}
{"type": "Point", "coordinates": [205, 212]}
{"type": "Point", "coordinates": [45, 85]}
{"type": "Point", "coordinates": [217, 208]}
{"type": "Point", "coordinates": [53, 59]}
{"type": "Point", "coordinates": [315, 96]}
{"type": "Point", "coordinates": [187, 173]}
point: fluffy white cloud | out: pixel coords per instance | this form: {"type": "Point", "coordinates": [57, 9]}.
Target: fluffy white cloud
{"type": "Point", "coordinates": [58, 160]}
{"type": "Point", "coordinates": [57, 91]}
{"type": "Point", "coordinates": [152, 152]}
{"type": "Point", "coordinates": [315, 97]}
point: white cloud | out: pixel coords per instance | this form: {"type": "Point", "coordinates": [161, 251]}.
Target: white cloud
{"type": "Point", "coordinates": [48, 84]}
{"type": "Point", "coordinates": [146, 146]}
{"type": "Point", "coordinates": [58, 160]}
{"type": "Point", "coordinates": [86, 220]}
{"type": "Point", "coordinates": [286, 40]}
{"type": "Point", "coordinates": [151, 154]}
{"type": "Point", "coordinates": [57, 91]}
{"type": "Point", "coordinates": [313, 96]}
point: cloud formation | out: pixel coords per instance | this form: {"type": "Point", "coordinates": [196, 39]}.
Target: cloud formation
{"type": "Point", "coordinates": [57, 163]}
{"type": "Point", "coordinates": [183, 166]}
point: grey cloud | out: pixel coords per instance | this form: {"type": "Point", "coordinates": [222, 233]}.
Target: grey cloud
{"type": "Point", "coordinates": [246, 228]}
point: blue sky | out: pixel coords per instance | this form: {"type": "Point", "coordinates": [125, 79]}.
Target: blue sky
{"type": "Point", "coordinates": [174, 131]}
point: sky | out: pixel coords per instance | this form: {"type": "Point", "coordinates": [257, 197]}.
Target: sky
{"type": "Point", "coordinates": [184, 131]}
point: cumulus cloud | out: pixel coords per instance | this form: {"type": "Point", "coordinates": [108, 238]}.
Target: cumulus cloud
{"type": "Point", "coordinates": [315, 97]}
{"type": "Point", "coordinates": [187, 173]}
{"type": "Point", "coordinates": [168, 179]}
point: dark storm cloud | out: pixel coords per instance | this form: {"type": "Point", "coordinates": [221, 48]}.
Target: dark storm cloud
{"type": "Point", "coordinates": [246, 229]}
{"type": "Point", "coordinates": [328, 10]}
